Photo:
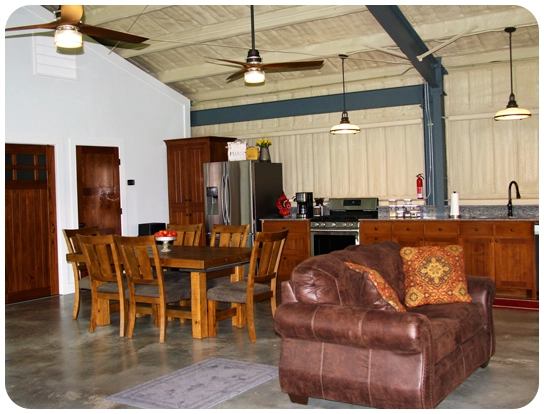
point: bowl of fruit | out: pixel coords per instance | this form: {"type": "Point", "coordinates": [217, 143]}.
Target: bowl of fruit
{"type": "Point", "coordinates": [166, 236]}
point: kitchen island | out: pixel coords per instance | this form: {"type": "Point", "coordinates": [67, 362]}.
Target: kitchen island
{"type": "Point", "coordinates": [500, 248]}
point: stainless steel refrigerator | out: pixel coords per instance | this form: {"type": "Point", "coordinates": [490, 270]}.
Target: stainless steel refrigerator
{"type": "Point", "coordinates": [241, 192]}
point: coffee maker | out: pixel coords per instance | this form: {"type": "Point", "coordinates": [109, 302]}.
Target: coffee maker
{"type": "Point", "coordinates": [305, 208]}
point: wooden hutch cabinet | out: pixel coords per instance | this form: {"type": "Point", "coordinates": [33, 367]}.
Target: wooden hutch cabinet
{"type": "Point", "coordinates": [185, 159]}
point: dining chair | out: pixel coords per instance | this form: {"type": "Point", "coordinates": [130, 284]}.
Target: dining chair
{"type": "Point", "coordinates": [229, 235]}
{"type": "Point", "coordinates": [148, 292]}
{"type": "Point", "coordinates": [224, 235]}
{"type": "Point", "coordinates": [188, 234]}
{"type": "Point", "coordinates": [260, 284]}
{"type": "Point", "coordinates": [81, 276]}
{"type": "Point", "coordinates": [106, 276]}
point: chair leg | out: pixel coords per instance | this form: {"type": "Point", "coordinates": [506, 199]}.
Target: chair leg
{"type": "Point", "coordinates": [250, 315]}
{"type": "Point", "coordinates": [122, 318]}
{"type": "Point", "coordinates": [131, 319]}
{"type": "Point", "coordinates": [75, 311]}
{"type": "Point", "coordinates": [162, 323]}
{"type": "Point", "coordinates": [212, 318]}
{"type": "Point", "coordinates": [94, 311]}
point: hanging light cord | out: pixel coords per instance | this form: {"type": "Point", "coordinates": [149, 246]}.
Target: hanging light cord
{"type": "Point", "coordinates": [511, 76]}
{"type": "Point", "coordinates": [252, 29]}
{"type": "Point", "coordinates": [343, 82]}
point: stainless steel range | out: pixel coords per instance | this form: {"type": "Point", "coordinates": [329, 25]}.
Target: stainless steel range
{"type": "Point", "coordinates": [341, 228]}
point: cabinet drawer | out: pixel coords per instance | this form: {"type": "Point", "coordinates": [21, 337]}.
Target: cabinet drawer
{"type": "Point", "coordinates": [294, 226]}
{"type": "Point", "coordinates": [441, 227]}
{"type": "Point", "coordinates": [478, 228]}
{"type": "Point", "coordinates": [375, 228]}
{"type": "Point", "coordinates": [407, 227]}
{"type": "Point", "coordinates": [514, 229]}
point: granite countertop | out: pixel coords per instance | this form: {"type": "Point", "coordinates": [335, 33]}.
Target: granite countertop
{"type": "Point", "coordinates": [467, 213]}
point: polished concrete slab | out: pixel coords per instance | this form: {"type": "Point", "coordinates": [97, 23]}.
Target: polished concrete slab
{"type": "Point", "coordinates": [52, 361]}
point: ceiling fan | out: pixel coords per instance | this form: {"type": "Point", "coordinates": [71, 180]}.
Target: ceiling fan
{"type": "Point", "coordinates": [69, 28]}
{"type": "Point", "coordinates": [253, 68]}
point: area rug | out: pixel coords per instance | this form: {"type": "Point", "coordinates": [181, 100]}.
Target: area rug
{"type": "Point", "coordinates": [201, 385]}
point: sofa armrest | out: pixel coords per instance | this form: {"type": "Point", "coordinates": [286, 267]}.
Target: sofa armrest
{"type": "Point", "coordinates": [353, 326]}
{"type": "Point", "coordinates": [482, 290]}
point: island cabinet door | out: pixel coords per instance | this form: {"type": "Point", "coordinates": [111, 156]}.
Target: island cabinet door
{"type": "Point", "coordinates": [515, 268]}
{"type": "Point", "coordinates": [408, 233]}
{"type": "Point", "coordinates": [477, 241]}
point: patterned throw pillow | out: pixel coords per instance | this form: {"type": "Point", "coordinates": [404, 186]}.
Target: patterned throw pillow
{"type": "Point", "coordinates": [380, 284]}
{"type": "Point", "coordinates": [434, 274]}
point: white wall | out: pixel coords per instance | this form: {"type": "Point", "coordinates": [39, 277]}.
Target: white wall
{"type": "Point", "coordinates": [112, 103]}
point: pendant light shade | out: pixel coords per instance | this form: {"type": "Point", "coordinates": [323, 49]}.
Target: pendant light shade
{"type": "Point", "coordinates": [512, 111]}
{"type": "Point", "coordinates": [344, 127]}
{"type": "Point", "coordinates": [68, 36]}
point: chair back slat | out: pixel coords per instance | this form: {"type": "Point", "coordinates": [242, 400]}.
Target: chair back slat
{"type": "Point", "coordinates": [135, 257]}
{"type": "Point", "coordinates": [188, 234]}
{"type": "Point", "coordinates": [266, 255]}
{"type": "Point", "coordinates": [101, 257]}
{"type": "Point", "coordinates": [229, 236]}
{"type": "Point", "coordinates": [70, 236]}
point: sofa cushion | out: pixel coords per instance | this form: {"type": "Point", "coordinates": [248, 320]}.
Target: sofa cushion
{"type": "Point", "coordinates": [452, 324]}
{"type": "Point", "coordinates": [377, 290]}
{"type": "Point", "coordinates": [325, 279]}
{"type": "Point", "coordinates": [434, 274]}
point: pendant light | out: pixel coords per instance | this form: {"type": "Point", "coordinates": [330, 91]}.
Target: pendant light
{"type": "Point", "coordinates": [344, 127]}
{"type": "Point", "coordinates": [512, 111]}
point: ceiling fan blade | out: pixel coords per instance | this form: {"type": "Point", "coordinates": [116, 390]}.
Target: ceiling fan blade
{"type": "Point", "coordinates": [70, 14]}
{"type": "Point", "coordinates": [236, 75]}
{"type": "Point", "coordinates": [52, 25]}
{"type": "Point", "coordinates": [244, 64]}
{"type": "Point", "coordinates": [110, 34]}
{"type": "Point", "coordinates": [292, 65]}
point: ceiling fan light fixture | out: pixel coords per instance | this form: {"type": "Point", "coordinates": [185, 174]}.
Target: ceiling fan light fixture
{"type": "Point", "coordinates": [512, 111]}
{"type": "Point", "coordinates": [254, 75]}
{"type": "Point", "coordinates": [344, 127]}
{"type": "Point", "coordinates": [68, 36]}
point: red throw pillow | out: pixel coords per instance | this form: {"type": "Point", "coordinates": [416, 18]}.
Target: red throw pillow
{"type": "Point", "coordinates": [434, 274]}
{"type": "Point", "coordinates": [383, 289]}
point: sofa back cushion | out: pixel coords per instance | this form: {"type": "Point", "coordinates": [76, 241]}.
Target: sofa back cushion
{"type": "Point", "coordinates": [326, 279]}
{"type": "Point", "coordinates": [434, 274]}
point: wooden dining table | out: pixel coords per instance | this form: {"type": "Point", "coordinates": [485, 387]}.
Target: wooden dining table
{"type": "Point", "coordinates": [203, 263]}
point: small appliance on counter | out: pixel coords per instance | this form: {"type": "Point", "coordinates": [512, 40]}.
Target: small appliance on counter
{"type": "Point", "coordinates": [305, 207]}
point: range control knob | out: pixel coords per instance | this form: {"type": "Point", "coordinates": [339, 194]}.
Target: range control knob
{"type": "Point", "coordinates": [344, 224]}
{"type": "Point", "coordinates": [333, 224]}
{"type": "Point", "coordinates": [323, 224]}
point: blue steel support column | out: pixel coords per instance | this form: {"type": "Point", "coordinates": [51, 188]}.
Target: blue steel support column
{"type": "Point", "coordinates": [435, 145]}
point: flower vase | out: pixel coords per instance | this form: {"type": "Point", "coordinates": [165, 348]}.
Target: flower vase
{"type": "Point", "coordinates": [264, 155]}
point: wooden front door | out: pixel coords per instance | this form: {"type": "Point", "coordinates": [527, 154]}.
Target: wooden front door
{"type": "Point", "coordinates": [98, 194]}
{"type": "Point", "coordinates": [31, 254]}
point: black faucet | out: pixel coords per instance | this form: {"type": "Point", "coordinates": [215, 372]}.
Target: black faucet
{"type": "Point", "coordinates": [509, 205]}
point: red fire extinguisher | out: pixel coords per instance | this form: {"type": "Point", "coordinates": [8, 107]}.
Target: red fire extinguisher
{"type": "Point", "coordinates": [419, 185]}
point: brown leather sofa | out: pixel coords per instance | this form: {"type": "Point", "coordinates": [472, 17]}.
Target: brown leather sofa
{"type": "Point", "coordinates": [335, 345]}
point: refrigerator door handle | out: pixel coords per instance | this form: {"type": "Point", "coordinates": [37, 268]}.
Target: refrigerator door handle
{"type": "Point", "coordinates": [226, 199]}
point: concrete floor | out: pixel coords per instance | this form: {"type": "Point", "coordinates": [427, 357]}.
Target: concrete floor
{"type": "Point", "coordinates": [51, 361]}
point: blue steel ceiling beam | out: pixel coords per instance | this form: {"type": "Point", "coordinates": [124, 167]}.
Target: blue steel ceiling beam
{"type": "Point", "coordinates": [409, 42]}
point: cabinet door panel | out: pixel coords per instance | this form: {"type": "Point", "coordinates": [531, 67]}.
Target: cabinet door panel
{"type": "Point", "coordinates": [479, 255]}
{"type": "Point", "coordinates": [514, 263]}
{"type": "Point", "coordinates": [408, 233]}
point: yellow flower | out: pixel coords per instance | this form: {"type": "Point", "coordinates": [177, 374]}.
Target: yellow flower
{"type": "Point", "coordinates": [264, 143]}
